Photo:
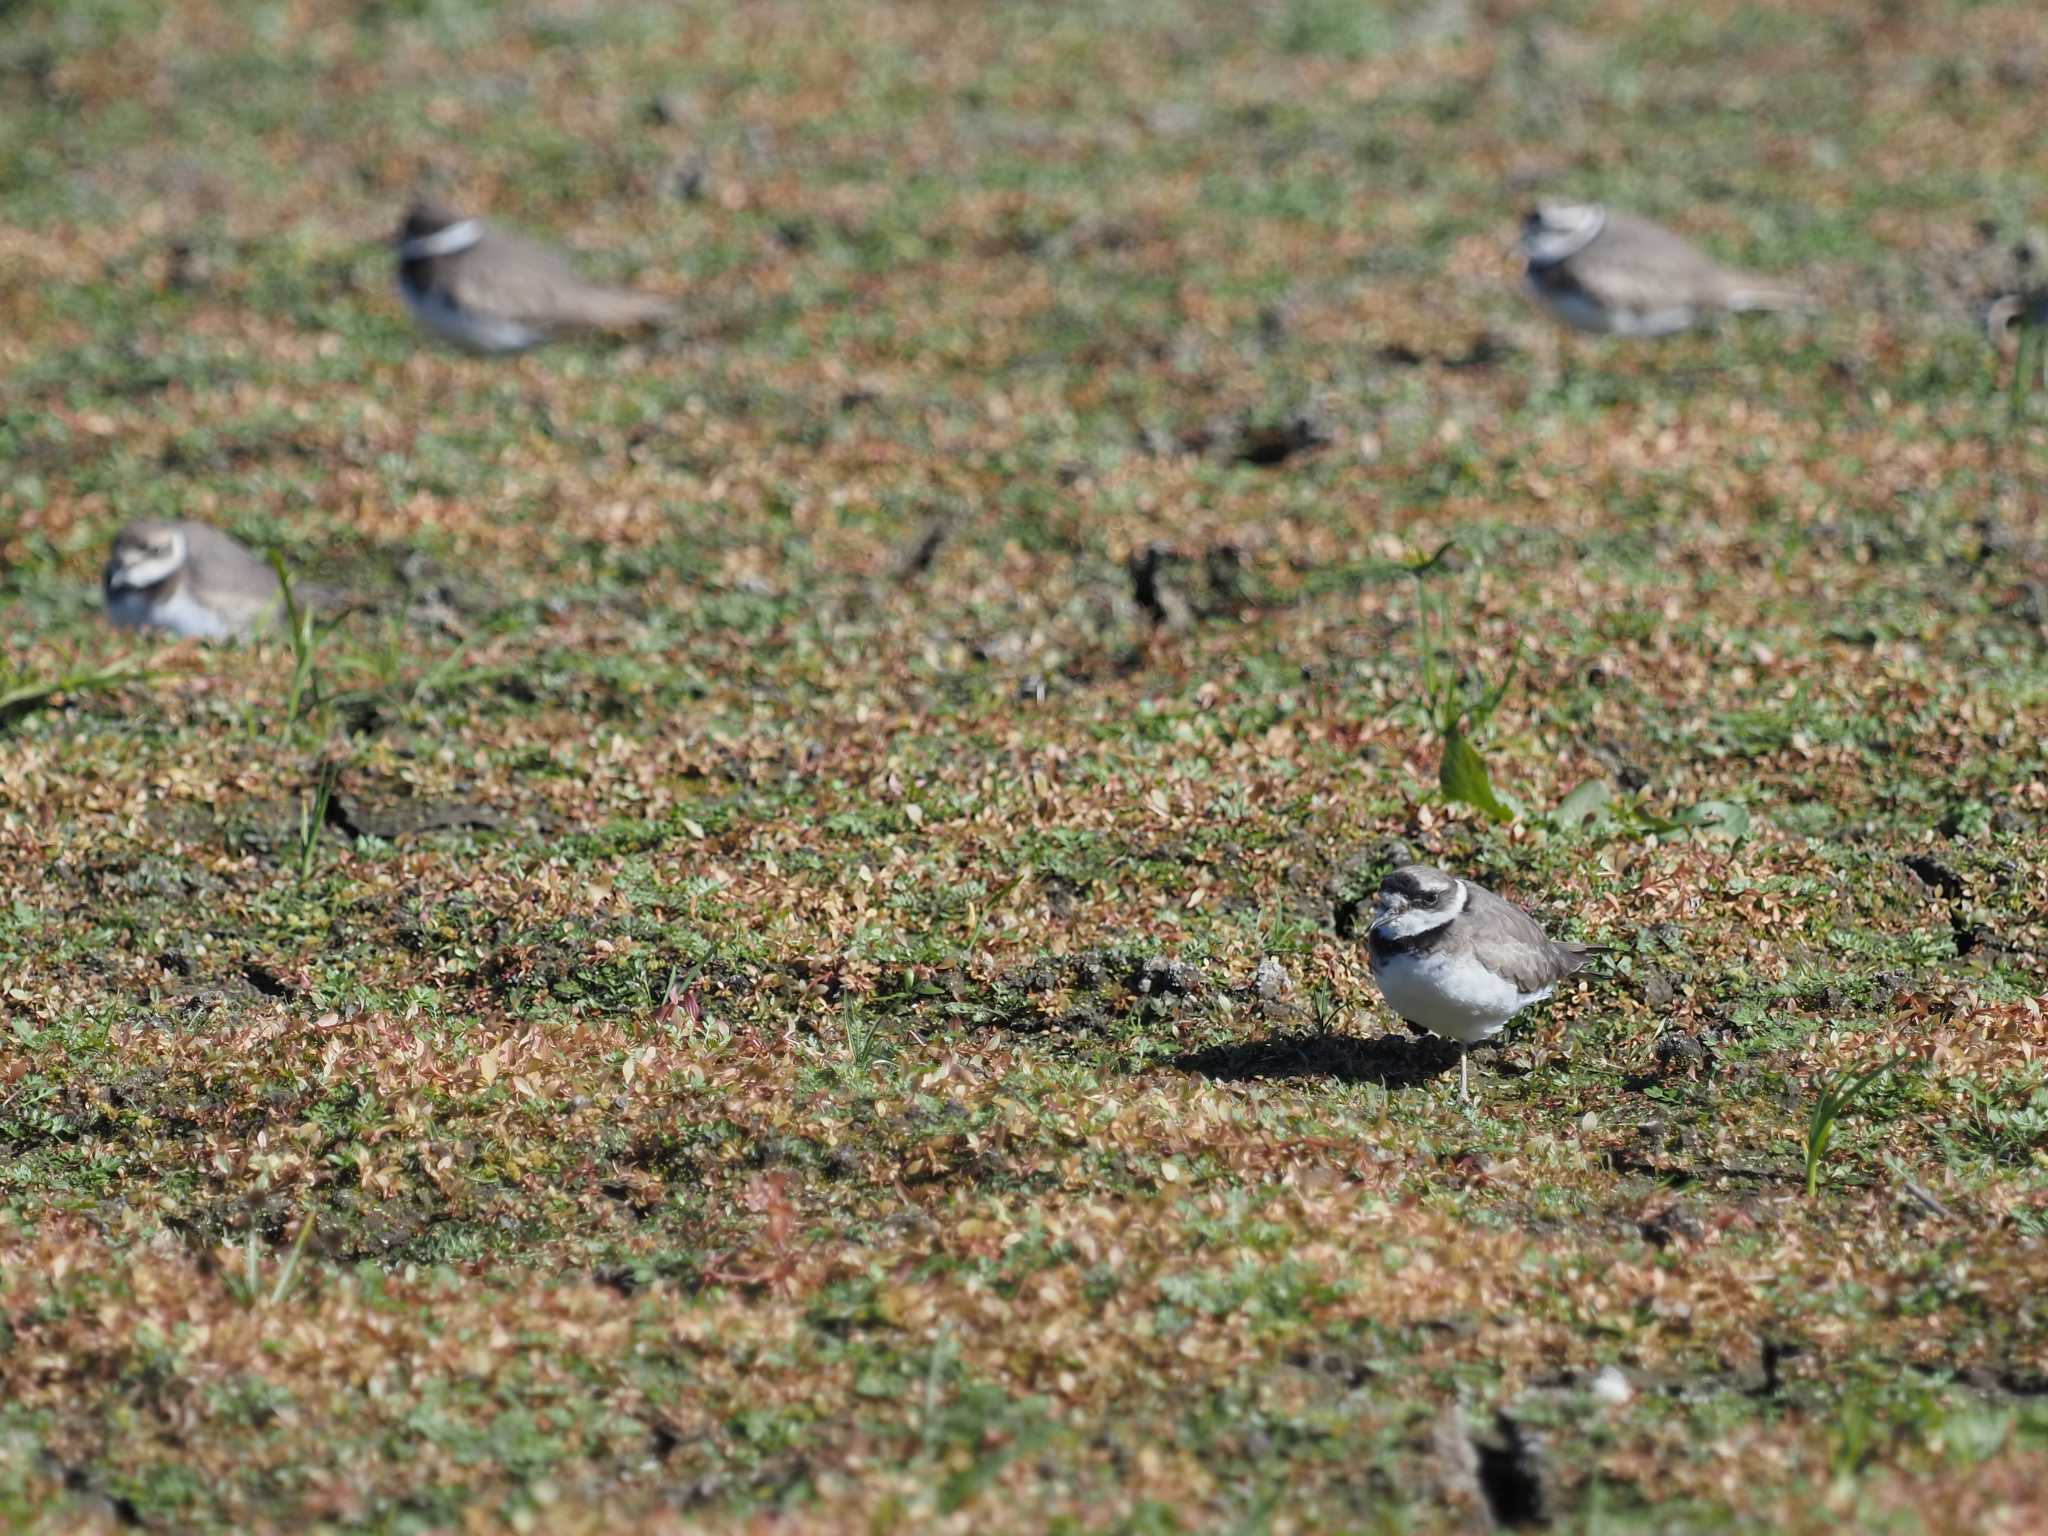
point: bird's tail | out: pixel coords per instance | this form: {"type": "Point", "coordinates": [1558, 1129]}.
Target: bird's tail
{"type": "Point", "coordinates": [1581, 955]}
{"type": "Point", "coordinates": [1747, 292]}
{"type": "Point", "coordinates": [617, 309]}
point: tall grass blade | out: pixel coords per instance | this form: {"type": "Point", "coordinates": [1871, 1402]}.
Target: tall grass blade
{"type": "Point", "coordinates": [313, 815]}
{"type": "Point", "coordinates": [300, 636]}
{"type": "Point", "coordinates": [21, 698]}
{"type": "Point", "coordinates": [282, 1289]}
{"type": "Point", "coordinates": [1837, 1093]}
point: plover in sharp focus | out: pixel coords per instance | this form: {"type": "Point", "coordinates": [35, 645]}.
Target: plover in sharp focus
{"type": "Point", "coordinates": [1456, 959]}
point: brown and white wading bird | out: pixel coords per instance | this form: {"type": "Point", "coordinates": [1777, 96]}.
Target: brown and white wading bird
{"type": "Point", "coordinates": [190, 579]}
{"type": "Point", "coordinates": [1601, 269]}
{"type": "Point", "coordinates": [481, 288]}
{"type": "Point", "coordinates": [1456, 959]}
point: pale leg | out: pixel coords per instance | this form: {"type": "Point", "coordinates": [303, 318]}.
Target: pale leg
{"type": "Point", "coordinates": [1464, 1081]}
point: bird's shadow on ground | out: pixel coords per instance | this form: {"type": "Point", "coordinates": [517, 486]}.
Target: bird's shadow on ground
{"type": "Point", "coordinates": [1391, 1061]}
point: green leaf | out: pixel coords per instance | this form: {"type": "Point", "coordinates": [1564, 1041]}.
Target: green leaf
{"type": "Point", "coordinates": [1707, 816]}
{"type": "Point", "coordinates": [1462, 776]}
{"type": "Point", "coordinates": [1588, 802]}
{"type": "Point", "coordinates": [1427, 563]}
{"type": "Point", "coordinates": [1717, 816]}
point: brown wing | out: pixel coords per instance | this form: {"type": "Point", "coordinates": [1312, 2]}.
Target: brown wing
{"type": "Point", "coordinates": [515, 279]}
{"type": "Point", "coordinates": [232, 580]}
{"type": "Point", "coordinates": [1636, 264]}
{"type": "Point", "coordinates": [1517, 947]}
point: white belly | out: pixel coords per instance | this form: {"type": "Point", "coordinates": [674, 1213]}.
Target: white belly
{"type": "Point", "coordinates": [467, 328]}
{"type": "Point", "coordinates": [180, 613]}
{"type": "Point", "coordinates": [1458, 999]}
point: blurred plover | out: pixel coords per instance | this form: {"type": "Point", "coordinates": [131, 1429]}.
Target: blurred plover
{"type": "Point", "coordinates": [187, 578]}
{"type": "Point", "coordinates": [490, 291]}
{"type": "Point", "coordinates": [1604, 270]}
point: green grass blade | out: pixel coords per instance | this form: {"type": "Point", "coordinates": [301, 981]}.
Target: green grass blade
{"type": "Point", "coordinates": [25, 697]}
{"type": "Point", "coordinates": [1463, 777]}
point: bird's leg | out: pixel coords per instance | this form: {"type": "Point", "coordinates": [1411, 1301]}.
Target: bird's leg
{"type": "Point", "coordinates": [1464, 1080]}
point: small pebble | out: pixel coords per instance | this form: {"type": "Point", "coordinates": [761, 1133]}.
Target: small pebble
{"type": "Point", "coordinates": [1610, 1386]}
{"type": "Point", "coordinates": [1271, 980]}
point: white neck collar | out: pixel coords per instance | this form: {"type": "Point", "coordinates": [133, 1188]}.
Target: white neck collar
{"type": "Point", "coordinates": [1577, 227]}
{"type": "Point", "coordinates": [448, 241]}
{"type": "Point", "coordinates": [1407, 924]}
{"type": "Point", "coordinates": [138, 575]}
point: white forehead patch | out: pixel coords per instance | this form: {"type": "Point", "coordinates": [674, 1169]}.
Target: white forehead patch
{"type": "Point", "coordinates": [459, 236]}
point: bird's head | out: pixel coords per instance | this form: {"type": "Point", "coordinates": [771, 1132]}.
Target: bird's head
{"type": "Point", "coordinates": [434, 229]}
{"type": "Point", "coordinates": [143, 555]}
{"type": "Point", "coordinates": [1414, 899]}
{"type": "Point", "coordinates": [1553, 231]}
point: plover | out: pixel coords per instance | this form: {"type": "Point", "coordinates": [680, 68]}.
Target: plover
{"type": "Point", "coordinates": [1456, 959]}
{"type": "Point", "coordinates": [1604, 270]}
{"type": "Point", "coordinates": [490, 291]}
{"type": "Point", "coordinates": [190, 579]}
